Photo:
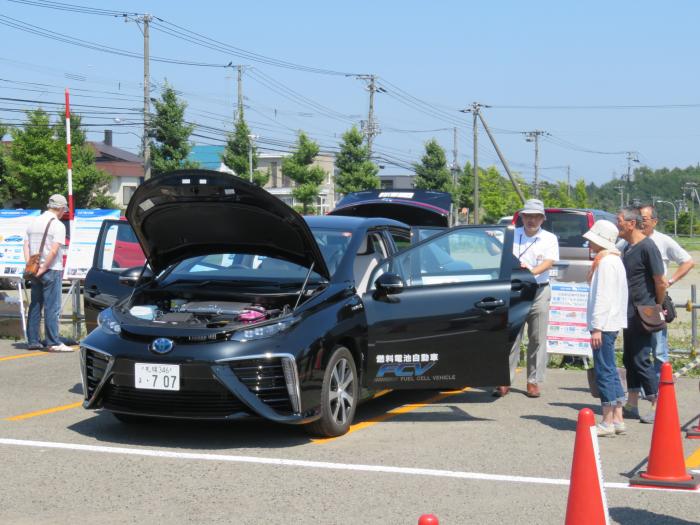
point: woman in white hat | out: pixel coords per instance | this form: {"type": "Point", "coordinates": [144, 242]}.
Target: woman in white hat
{"type": "Point", "coordinates": [606, 316]}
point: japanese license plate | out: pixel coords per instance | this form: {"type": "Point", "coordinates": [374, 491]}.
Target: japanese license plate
{"type": "Point", "coordinates": [152, 376]}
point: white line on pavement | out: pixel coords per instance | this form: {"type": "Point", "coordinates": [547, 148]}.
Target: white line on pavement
{"type": "Point", "coordinates": [310, 464]}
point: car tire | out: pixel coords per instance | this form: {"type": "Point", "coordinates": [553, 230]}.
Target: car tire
{"type": "Point", "coordinates": [130, 419]}
{"type": "Point", "coordinates": [339, 395]}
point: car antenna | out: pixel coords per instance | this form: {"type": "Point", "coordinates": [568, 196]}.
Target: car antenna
{"type": "Point", "coordinates": [303, 286]}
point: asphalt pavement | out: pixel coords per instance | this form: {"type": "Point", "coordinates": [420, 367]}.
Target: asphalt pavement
{"type": "Point", "coordinates": [465, 457]}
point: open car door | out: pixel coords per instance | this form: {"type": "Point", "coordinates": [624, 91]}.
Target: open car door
{"type": "Point", "coordinates": [117, 250]}
{"type": "Point", "coordinates": [445, 312]}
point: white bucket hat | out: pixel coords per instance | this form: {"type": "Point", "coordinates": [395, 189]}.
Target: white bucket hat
{"type": "Point", "coordinates": [603, 233]}
{"type": "Point", "coordinates": [533, 207]}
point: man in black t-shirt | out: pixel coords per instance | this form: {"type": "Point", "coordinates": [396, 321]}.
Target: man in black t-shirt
{"type": "Point", "coordinates": [647, 286]}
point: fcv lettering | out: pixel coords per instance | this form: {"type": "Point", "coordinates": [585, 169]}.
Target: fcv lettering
{"type": "Point", "coordinates": [405, 369]}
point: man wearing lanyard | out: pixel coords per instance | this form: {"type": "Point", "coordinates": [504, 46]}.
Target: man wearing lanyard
{"type": "Point", "coordinates": [537, 250]}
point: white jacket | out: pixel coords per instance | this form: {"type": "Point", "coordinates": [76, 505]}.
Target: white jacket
{"type": "Point", "coordinates": [607, 296]}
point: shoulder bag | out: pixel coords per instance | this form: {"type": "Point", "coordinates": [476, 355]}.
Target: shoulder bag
{"type": "Point", "coordinates": [32, 266]}
{"type": "Point", "coordinates": [651, 317]}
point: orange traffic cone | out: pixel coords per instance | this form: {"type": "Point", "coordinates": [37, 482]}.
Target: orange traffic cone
{"type": "Point", "coordinates": [428, 519]}
{"type": "Point", "coordinates": [586, 505]}
{"type": "Point", "coordinates": [666, 464]}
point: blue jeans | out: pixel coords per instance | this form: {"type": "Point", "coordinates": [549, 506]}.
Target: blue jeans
{"type": "Point", "coordinates": [637, 359]}
{"type": "Point", "coordinates": [659, 343]}
{"type": "Point", "coordinates": [46, 295]}
{"type": "Point", "coordinates": [606, 376]}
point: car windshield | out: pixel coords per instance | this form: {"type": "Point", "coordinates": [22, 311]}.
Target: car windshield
{"type": "Point", "coordinates": [568, 227]}
{"type": "Point", "coordinates": [252, 268]}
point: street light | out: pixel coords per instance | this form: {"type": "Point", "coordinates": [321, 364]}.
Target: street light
{"type": "Point", "coordinates": [675, 217]}
{"type": "Point", "coordinates": [251, 138]}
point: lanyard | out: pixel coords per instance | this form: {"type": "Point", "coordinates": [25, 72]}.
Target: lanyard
{"type": "Point", "coordinates": [521, 252]}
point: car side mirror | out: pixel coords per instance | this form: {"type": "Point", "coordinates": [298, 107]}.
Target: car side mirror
{"type": "Point", "coordinates": [389, 284]}
{"type": "Point", "coordinates": [130, 276]}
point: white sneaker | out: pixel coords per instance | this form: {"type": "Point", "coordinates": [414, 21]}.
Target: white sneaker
{"type": "Point", "coordinates": [61, 348]}
{"type": "Point", "coordinates": [620, 428]}
{"type": "Point", "coordinates": [605, 430]}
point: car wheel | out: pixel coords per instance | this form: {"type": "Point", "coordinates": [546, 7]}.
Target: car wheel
{"type": "Point", "coordinates": [130, 419]}
{"type": "Point", "coordinates": [339, 395]}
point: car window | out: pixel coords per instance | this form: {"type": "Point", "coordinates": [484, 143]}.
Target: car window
{"type": "Point", "coordinates": [568, 227]}
{"type": "Point", "coordinates": [333, 245]}
{"type": "Point", "coordinates": [121, 249]}
{"type": "Point", "coordinates": [462, 255]}
{"type": "Point", "coordinates": [402, 239]}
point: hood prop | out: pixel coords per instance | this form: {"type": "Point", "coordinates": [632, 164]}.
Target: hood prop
{"type": "Point", "coordinates": [303, 286]}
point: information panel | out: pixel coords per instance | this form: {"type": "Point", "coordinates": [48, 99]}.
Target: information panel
{"type": "Point", "coordinates": [13, 230]}
{"type": "Point", "coordinates": [86, 228]}
{"type": "Point", "coordinates": [567, 332]}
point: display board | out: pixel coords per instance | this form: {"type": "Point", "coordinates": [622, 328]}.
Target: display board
{"type": "Point", "coordinates": [13, 230]}
{"type": "Point", "coordinates": [86, 228]}
{"type": "Point", "coordinates": [567, 332]}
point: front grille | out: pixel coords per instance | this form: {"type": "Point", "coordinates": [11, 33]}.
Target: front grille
{"type": "Point", "coordinates": [265, 379]}
{"type": "Point", "coordinates": [208, 404]}
{"type": "Point", "coordinates": [95, 366]}
{"type": "Point", "coordinates": [200, 395]}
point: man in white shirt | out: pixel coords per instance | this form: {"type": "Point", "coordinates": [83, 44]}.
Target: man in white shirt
{"type": "Point", "coordinates": [537, 250]}
{"type": "Point", "coordinates": [670, 251]}
{"type": "Point", "coordinates": [46, 286]}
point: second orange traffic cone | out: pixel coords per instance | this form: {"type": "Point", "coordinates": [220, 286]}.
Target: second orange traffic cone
{"type": "Point", "coordinates": [586, 505]}
{"type": "Point", "coordinates": [666, 461]}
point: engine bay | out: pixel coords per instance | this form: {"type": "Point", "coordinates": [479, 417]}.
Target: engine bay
{"type": "Point", "coordinates": [196, 313]}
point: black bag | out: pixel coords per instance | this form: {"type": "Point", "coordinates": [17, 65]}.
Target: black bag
{"type": "Point", "coordinates": [651, 317]}
{"type": "Point", "coordinates": [669, 309]}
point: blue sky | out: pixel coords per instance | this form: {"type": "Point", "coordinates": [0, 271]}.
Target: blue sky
{"type": "Point", "coordinates": [597, 56]}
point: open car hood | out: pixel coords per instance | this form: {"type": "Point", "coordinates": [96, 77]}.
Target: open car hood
{"type": "Point", "coordinates": [187, 213]}
{"type": "Point", "coordinates": [412, 207]}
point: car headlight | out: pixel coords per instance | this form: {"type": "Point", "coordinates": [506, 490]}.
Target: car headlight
{"type": "Point", "coordinates": [262, 331]}
{"type": "Point", "coordinates": [108, 323]}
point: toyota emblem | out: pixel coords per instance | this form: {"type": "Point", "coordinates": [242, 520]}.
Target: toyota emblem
{"type": "Point", "coordinates": [161, 345]}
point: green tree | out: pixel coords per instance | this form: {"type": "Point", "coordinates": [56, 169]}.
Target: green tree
{"type": "Point", "coordinates": [432, 172]}
{"type": "Point", "coordinates": [580, 195]}
{"type": "Point", "coordinates": [171, 134]}
{"type": "Point", "coordinates": [36, 164]}
{"type": "Point", "coordinates": [298, 167]}
{"type": "Point", "coordinates": [356, 172]}
{"type": "Point", "coordinates": [236, 154]}
{"type": "Point", "coordinates": [497, 197]}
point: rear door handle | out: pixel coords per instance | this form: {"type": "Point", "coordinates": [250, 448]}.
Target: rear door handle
{"type": "Point", "coordinates": [516, 285]}
{"type": "Point", "coordinates": [490, 303]}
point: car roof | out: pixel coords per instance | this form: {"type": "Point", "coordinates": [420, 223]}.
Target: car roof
{"type": "Point", "coordinates": [342, 222]}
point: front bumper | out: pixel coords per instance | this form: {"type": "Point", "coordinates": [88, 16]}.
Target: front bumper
{"type": "Point", "coordinates": [256, 385]}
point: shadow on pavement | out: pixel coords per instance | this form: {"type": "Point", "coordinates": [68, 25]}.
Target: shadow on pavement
{"type": "Point", "coordinates": [595, 407]}
{"type": "Point", "coordinates": [575, 389]}
{"type": "Point", "coordinates": [257, 432]}
{"type": "Point", "coordinates": [641, 517]}
{"type": "Point", "coordinates": [557, 423]}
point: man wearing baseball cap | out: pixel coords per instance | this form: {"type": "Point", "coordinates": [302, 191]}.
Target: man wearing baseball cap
{"type": "Point", "coordinates": [46, 286]}
{"type": "Point", "coordinates": [537, 250]}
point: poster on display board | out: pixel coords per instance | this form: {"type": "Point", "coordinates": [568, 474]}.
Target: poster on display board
{"type": "Point", "coordinates": [567, 331]}
{"type": "Point", "coordinates": [86, 228]}
{"type": "Point", "coordinates": [13, 230]}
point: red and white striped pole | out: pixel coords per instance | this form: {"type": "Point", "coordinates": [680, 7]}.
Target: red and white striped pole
{"type": "Point", "coordinates": [70, 162]}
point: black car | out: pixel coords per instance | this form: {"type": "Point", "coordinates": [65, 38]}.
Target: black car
{"type": "Point", "coordinates": [247, 308]}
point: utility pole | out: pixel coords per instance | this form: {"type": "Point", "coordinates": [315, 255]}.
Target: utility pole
{"type": "Point", "coordinates": [371, 129]}
{"type": "Point", "coordinates": [631, 157]}
{"type": "Point", "coordinates": [690, 187]}
{"type": "Point", "coordinates": [534, 136]}
{"type": "Point", "coordinates": [568, 180]}
{"type": "Point", "coordinates": [146, 97]}
{"type": "Point", "coordinates": [145, 19]}
{"type": "Point", "coordinates": [621, 189]}
{"type": "Point", "coordinates": [476, 109]}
